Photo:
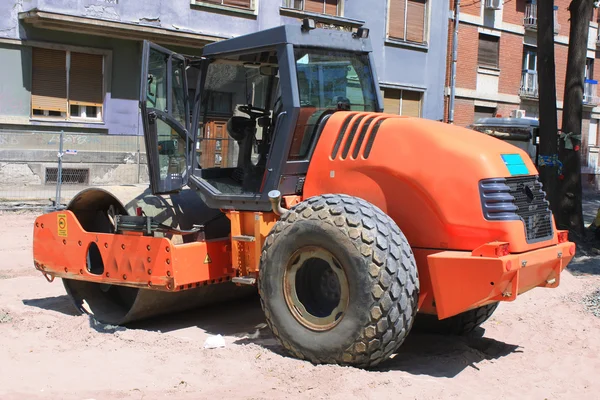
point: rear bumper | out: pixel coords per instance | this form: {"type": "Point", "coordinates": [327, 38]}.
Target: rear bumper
{"type": "Point", "coordinates": [461, 280]}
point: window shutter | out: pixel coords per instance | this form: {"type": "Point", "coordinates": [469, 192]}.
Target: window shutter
{"type": "Point", "coordinates": [238, 3]}
{"type": "Point", "coordinates": [331, 7]}
{"type": "Point", "coordinates": [415, 21]}
{"type": "Point", "coordinates": [85, 79]}
{"type": "Point", "coordinates": [396, 19]}
{"type": "Point", "coordinates": [49, 80]}
{"type": "Point", "coordinates": [411, 103]}
{"type": "Point", "coordinates": [391, 101]}
{"type": "Point", "coordinates": [488, 51]}
{"type": "Point", "coordinates": [316, 6]}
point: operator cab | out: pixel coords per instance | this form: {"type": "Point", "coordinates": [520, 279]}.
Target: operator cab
{"type": "Point", "coordinates": [236, 123]}
{"type": "Point", "coordinates": [259, 104]}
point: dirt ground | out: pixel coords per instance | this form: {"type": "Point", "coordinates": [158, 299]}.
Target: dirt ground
{"type": "Point", "coordinates": [545, 345]}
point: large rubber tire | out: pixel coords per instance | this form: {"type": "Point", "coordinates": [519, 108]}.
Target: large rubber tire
{"type": "Point", "coordinates": [460, 324]}
{"type": "Point", "coordinates": [379, 268]}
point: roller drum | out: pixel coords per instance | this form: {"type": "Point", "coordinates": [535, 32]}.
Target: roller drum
{"type": "Point", "coordinates": [118, 305]}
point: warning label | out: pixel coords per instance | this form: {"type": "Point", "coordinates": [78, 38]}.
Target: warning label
{"type": "Point", "coordinates": [62, 225]}
{"type": "Point", "coordinates": [207, 259]}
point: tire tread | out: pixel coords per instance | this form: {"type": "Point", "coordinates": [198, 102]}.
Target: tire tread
{"type": "Point", "coordinates": [389, 260]}
{"type": "Point", "coordinates": [461, 324]}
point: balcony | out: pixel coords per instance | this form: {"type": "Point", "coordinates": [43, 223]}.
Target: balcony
{"type": "Point", "coordinates": [590, 96]}
{"type": "Point", "coordinates": [529, 84]}
{"type": "Point", "coordinates": [531, 17]}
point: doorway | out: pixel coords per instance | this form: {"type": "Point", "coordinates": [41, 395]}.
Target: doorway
{"type": "Point", "coordinates": [215, 148]}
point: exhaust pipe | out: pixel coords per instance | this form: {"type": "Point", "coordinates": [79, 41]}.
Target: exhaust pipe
{"type": "Point", "coordinates": [275, 199]}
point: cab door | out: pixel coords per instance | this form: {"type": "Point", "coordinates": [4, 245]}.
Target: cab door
{"type": "Point", "coordinates": [166, 118]}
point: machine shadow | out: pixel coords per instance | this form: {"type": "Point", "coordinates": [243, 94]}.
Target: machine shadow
{"type": "Point", "coordinates": [242, 319]}
{"type": "Point", "coordinates": [586, 265]}
{"type": "Point", "coordinates": [420, 354]}
{"type": "Point", "coordinates": [61, 304]}
{"type": "Point", "coordinates": [445, 356]}
{"type": "Point", "coordinates": [231, 318]}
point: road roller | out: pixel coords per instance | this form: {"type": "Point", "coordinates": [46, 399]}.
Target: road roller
{"type": "Point", "coordinates": [274, 168]}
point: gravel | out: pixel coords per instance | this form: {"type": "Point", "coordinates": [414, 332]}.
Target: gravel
{"type": "Point", "coordinates": [5, 317]}
{"type": "Point", "coordinates": [592, 303]}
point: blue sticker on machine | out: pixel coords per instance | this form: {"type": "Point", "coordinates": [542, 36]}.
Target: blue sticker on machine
{"type": "Point", "coordinates": [515, 164]}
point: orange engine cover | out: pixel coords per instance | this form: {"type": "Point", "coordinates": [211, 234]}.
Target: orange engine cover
{"type": "Point", "coordinates": [423, 173]}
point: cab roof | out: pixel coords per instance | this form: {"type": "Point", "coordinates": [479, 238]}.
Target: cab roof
{"type": "Point", "coordinates": [290, 34]}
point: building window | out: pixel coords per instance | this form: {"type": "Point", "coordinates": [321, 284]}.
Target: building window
{"type": "Point", "coordinates": [484, 112]}
{"type": "Point", "coordinates": [220, 103]}
{"type": "Point", "coordinates": [329, 7]}
{"type": "Point", "coordinates": [529, 81]}
{"type": "Point", "coordinates": [407, 20]}
{"type": "Point", "coordinates": [67, 84]}
{"type": "Point", "coordinates": [489, 47]}
{"type": "Point", "coordinates": [402, 102]}
{"type": "Point", "coordinates": [247, 4]}
{"type": "Point", "coordinates": [590, 95]}
{"type": "Point", "coordinates": [530, 59]}
{"type": "Point", "coordinates": [589, 68]}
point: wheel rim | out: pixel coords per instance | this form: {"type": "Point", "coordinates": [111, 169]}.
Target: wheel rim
{"type": "Point", "coordinates": [316, 288]}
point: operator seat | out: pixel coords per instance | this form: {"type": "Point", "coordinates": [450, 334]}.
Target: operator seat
{"type": "Point", "coordinates": [240, 127]}
{"type": "Point", "coordinates": [242, 130]}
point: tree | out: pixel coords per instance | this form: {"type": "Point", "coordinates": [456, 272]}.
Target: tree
{"type": "Point", "coordinates": [570, 214]}
{"type": "Point", "coordinates": [547, 101]}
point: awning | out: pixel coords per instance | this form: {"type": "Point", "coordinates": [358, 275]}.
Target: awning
{"type": "Point", "coordinates": [116, 29]}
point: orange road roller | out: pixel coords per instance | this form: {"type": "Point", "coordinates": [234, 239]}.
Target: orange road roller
{"type": "Point", "coordinates": [277, 171]}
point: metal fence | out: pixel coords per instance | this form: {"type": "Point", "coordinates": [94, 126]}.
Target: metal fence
{"type": "Point", "coordinates": [46, 169]}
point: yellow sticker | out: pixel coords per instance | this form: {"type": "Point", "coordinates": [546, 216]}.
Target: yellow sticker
{"type": "Point", "coordinates": [207, 259]}
{"type": "Point", "coordinates": [62, 225]}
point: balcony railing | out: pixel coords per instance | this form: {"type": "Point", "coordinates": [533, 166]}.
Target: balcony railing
{"type": "Point", "coordinates": [590, 92]}
{"type": "Point", "coordinates": [529, 84]}
{"type": "Point", "coordinates": [531, 17]}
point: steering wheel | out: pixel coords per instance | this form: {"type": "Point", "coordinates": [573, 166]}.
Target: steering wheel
{"type": "Point", "coordinates": [253, 112]}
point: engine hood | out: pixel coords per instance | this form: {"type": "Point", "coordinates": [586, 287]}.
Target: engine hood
{"type": "Point", "coordinates": [423, 173]}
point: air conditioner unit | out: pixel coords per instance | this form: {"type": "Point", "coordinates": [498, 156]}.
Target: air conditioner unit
{"type": "Point", "coordinates": [493, 4]}
{"type": "Point", "coordinates": [517, 114]}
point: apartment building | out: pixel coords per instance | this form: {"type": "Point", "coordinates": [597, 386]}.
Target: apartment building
{"type": "Point", "coordinates": [497, 66]}
{"type": "Point", "coordinates": [75, 66]}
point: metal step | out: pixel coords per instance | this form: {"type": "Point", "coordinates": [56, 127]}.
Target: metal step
{"type": "Point", "coordinates": [244, 280]}
{"type": "Point", "coordinates": [243, 238]}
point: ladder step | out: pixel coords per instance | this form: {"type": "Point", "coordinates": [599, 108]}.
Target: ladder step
{"type": "Point", "coordinates": [243, 238]}
{"type": "Point", "coordinates": [244, 280]}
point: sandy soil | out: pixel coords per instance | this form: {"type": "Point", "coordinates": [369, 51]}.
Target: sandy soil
{"type": "Point", "coordinates": [545, 345]}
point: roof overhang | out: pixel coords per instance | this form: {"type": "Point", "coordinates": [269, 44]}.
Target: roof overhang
{"type": "Point", "coordinates": [116, 29]}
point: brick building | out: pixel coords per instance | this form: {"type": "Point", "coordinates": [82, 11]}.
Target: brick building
{"type": "Point", "coordinates": [496, 71]}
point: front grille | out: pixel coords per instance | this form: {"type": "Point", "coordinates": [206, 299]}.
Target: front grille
{"type": "Point", "coordinates": [533, 208]}
{"type": "Point", "coordinates": [519, 198]}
